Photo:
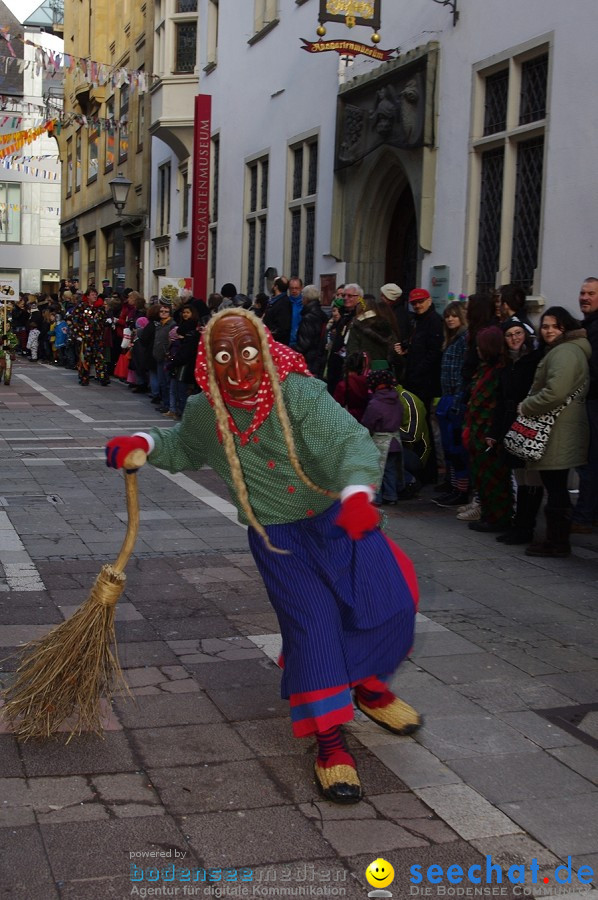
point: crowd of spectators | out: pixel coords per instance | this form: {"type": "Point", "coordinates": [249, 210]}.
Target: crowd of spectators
{"type": "Point", "coordinates": [437, 390]}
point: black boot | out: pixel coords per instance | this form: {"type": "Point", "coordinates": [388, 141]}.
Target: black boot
{"type": "Point", "coordinates": [558, 529]}
{"type": "Point", "coordinates": [529, 500]}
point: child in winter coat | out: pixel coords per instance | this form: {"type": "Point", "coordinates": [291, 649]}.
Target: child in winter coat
{"type": "Point", "coordinates": [61, 339]}
{"type": "Point", "coordinates": [383, 417]}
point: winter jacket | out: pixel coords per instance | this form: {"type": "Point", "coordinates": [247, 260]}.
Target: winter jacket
{"type": "Point", "coordinates": [515, 381]}
{"type": "Point", "coordinates": [353, 393]}
{"type": "Point", "coordinates": [422, 370]}
{"type": "Point", "coordinates": [19, 317]}
{"type": "Point", "coordinates": [146, 345]}
{"type": "Point", "coordinates": [161, 341]}
{"type": "Point", "coordinates": [62, 334]}
{"type": "Point", "coordinates": [384, 414]}
{"type": "Point", "coordinates": [373, 335]}
{"type": "Point", "coordinates": [590, 323]}
{"type": "Point", "coordinates": [311, 337]}
{"type": "Point", "coordinates": [183, 360]}
{"type": "Point", "coordinates": [278, 318]}
{"type": "Point", "coordinates": [563, 369]}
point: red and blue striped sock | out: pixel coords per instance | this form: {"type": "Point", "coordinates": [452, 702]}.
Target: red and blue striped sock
{"type": "Point", "coordinates": [332, 750]}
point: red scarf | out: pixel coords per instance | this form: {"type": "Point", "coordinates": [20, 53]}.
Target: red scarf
{"type": "Point", "coordinates": [285, 361]}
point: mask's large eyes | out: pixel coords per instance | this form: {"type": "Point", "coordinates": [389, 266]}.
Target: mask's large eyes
{"type": "Point", "coordinates": [222, 357]}
{"type": "Point", "coordinates": [249, 353]}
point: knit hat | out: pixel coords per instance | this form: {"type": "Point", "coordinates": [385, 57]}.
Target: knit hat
{"type": "Point", "coordinates": [391, 291]}
{"type": "Point", "coordinates": [379, 377]}
{"type": "Point", "coordinates": [141, 322]}
{"type": "Point", "coordinates": [228, 290]}
{"type": "Point", "coordinates": [419, 294]}
{"type": "Point", "coordinates": [164, 302]}
{"type": "Point", "coordinates": [515, 322]}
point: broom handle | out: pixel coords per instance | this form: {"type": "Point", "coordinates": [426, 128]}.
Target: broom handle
{"type": "Point", "coordinates": [134, 460]}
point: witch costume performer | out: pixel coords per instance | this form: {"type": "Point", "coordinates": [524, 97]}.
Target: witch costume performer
{"type": "Point", "coordinates": [302, 473]}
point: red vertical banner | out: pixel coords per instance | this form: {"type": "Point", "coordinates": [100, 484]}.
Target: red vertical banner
{"type": "Point", "coordinates": [200, 231]}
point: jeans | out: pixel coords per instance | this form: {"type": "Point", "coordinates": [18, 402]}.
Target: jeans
{"type": "Point", "coordinates": [163, 384]}
{"type": "Point", "coordinates": [179, 391]}
{"type": "Point", "coordinates": [586, 510]}
{"type": "Point", "coordinates": [154, 386]}
{"type": "Point", "coordinates": [388, 488]}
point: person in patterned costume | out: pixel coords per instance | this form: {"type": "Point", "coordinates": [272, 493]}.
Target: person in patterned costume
{"type": "Point", "coordinates": [8, 351]}
{"type": "Point", "coordinates": [87, 323]}
{"type": "Point", "coordinates": [490, 473]}
{"type": "Point", "coordinates": [301, 471]}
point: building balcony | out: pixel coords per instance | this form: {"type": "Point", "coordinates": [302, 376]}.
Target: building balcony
{"type": "Point", "coordinates": [173, 102]}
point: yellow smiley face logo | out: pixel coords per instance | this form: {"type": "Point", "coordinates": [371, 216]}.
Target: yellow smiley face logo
{"type": "Point", "coordinates": [380, 873]}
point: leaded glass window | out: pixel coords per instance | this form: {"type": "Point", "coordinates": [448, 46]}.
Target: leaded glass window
{"type": "Point", "coordinates": [528, 206]}
{"type": "Point", "coordinates": [295, 239]}
{"type": "Point", "coordinates": [534, 83]}
{"type": "Point", "coordinates": [310, 234]}
{"type": "Point", "coordinates": [265, 173]}
{"type": "Point", "coordinates": [495, 108]}
{"type": "Point", "coordinates": [303, 186]}
{"type": "Point", "coordinates": [507, 174]}
{"type": "Point", "coordinates": [253, 188]}
{"type": "Point", "coordinates": [297, 173]}
{"type": "Point", "coordinates": [312, 176]}
{"type": "Point", "coordinates": [256, 217]}
{"type": "Point", "coordinates": [186, 46]}
{"type": "Point", "coordinates": [251, 257]}
{"type": "Point", "coordinates": [490, 218]}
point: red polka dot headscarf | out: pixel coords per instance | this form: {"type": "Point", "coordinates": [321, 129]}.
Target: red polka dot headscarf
{"type": "Point", "coordinates": [285, 362]}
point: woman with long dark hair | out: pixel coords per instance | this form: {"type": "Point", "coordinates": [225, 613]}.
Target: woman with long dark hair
{"type": "Point", "coordinates": [450, 409]}
{"type": "Point", "coordinates": [522, 358]}
{"type": "Point", "coordinates": [490, 474]}
{"type": "Point", "coordinates": [480, 314]}
{"type": "Point", "coordinates": [562, 373]}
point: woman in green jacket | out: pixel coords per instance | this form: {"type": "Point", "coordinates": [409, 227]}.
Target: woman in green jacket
{"type": "Point", "coordinates": [563, 370]}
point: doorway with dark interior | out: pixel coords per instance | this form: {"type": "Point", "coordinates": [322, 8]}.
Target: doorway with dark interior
{"type": "Point", "coordinates": [402, 244]}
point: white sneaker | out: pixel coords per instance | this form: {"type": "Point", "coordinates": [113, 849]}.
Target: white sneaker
{"type": "Point", "coordinates": [473, 514]}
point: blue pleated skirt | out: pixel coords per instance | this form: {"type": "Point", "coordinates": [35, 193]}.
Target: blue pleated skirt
{"type": "Point", "coordinates": [344, 607]}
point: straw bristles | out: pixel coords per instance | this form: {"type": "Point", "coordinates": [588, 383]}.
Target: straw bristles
{"type": "Point", "coordinates": [68, 671]}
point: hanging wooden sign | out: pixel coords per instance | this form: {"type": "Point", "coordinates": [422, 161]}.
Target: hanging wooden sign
{"type": "Point", "coordinates": [348, 48]}
{"type": "Point", "coordinates": [351, 12]}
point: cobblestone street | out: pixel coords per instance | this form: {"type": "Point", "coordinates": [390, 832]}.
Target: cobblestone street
{"type": "Point", "coordinates": [504, 671]}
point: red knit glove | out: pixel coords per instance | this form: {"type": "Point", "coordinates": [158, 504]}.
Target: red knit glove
{"type": "Point", "coordinates": [357, 515]}
{"type": "Point", "coordinates": [119, 448]}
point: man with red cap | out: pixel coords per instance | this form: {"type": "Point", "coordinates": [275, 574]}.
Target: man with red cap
{"type": "Point", "coordinates": [300, 470]}
{"type": "Point", "coordinates": [424, 352]}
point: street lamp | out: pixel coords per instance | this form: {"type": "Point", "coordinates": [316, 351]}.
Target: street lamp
{"type": "Point", "coordinates": [120, 187]}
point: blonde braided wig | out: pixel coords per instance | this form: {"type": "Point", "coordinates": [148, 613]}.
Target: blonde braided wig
{"type": "Point", "coordinates": [222, 418]}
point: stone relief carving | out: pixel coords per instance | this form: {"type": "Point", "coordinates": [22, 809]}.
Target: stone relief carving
{"type": "Point", "coordinates": [376, 114]}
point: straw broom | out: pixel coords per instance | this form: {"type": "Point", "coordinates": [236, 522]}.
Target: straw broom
{"type": "Point", "coordinates": [68, 671]}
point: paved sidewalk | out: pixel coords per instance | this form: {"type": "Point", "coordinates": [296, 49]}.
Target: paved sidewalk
{"type": "Point", "coordinates": [201, 770]}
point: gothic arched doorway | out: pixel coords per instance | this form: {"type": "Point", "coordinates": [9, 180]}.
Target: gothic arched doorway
{"type": "Point", "coordinates": [402, 244]}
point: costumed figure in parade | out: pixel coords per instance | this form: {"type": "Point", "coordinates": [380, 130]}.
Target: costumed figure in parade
{"type": "Point", "coordinates": [87, 323]}
{"type": "Point", "coordinates": [8, 354]}
{"type": "Point", "coordinates": [302, 472]}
